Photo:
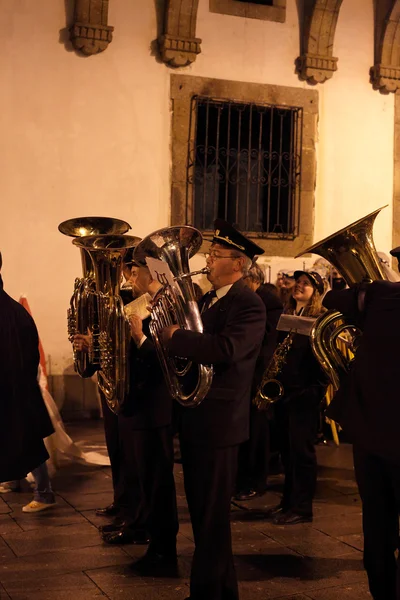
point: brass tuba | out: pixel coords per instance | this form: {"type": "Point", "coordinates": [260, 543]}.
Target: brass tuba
{"type": "Point", "coordinates": [111, 335]}
{"type": "Point", "coordinates": [82, 313]}
{"type": "Point", "coordinates": [176, 304]}
{"type": "Point", "coordinates": [352, 251]}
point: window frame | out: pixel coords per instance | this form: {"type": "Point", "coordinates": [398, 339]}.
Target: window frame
{"type": "Point", "coordinates": [184, 87]}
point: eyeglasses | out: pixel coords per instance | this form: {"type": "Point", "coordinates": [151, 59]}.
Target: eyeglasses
{"type": "Point", "coordinates": [214, 256]}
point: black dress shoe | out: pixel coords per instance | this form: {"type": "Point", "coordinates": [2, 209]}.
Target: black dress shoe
{"type": "Point", "coordinates": [291, 518]}
{"type": "Point", "coordinates": [153, 563]}
{"type": "Point", "coordinates": [126, 536]}
{"type": "Point", "coordinates": [245, 495]}
{"type": "Point", "coordinates": [116, 526]}
{"type": "Point", "coordinates": [275, 512]}
{"type": "Point", "coordinates": [109, 511]}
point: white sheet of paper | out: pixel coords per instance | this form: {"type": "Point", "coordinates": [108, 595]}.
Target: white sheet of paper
{"type": "Point", "coordinates": [301, 325]}
{"type": "Point", "coordinates": [138, 307]}
{"type": "Point", "coordinates": [160, 271]}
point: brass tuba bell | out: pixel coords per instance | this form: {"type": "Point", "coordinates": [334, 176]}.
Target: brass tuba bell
{"type": "Point", "coordinates": [352, 251]}
{"type": "Point", "coordinates": [111, 334]}
{"type": "Point", "coordinates": [177, 304]}
{"type": "Point", "coordinates": [82, 313]}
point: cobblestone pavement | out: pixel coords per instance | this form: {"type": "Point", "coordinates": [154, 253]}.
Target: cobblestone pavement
{"type": "Point", "coordinates": [59, 555]}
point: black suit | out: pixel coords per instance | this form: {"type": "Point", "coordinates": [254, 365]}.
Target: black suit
{"type": "Point", "coordinates": [147, 450]}
{"type": "Point", "coordinates": [211, 433]}
{"type": "Point", "coordinates": [24, 417]}
{"type": "Point", "coordinates": [254, 454]}
{"type": "Point", "coordinates": [368, 408]}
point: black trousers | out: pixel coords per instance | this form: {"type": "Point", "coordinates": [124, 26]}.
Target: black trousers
{"type": "Point", "coordinates": [254, 454]}
{"type": "Point", "coordinates": [379, 485]}
{"type": "Point", "coordinates": [111, 432]}
{"type": "Point", "coordinates": [210, 475]}
{"type": "Point", "coordinates": [149, 501]}
{"type": "Point", "coordinates": [297, 424]}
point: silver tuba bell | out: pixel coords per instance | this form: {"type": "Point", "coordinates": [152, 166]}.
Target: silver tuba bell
{"type": "Point", "coordinates": [188, 383]}
{"type": "Point", "coordinates": [82, 313]}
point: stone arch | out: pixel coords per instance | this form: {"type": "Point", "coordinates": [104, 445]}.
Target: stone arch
{"type": "Point", "coordinates": [178, 43]}
{"type": "Point", "coordinates": [385, 74]}
{"type": "Point", "coordinates": [316, 63]}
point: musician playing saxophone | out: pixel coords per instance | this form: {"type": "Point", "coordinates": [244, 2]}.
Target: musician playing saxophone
{"type": "Point", "coordinates": [297, 411]}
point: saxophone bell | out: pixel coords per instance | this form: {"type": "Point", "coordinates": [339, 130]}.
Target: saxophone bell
{"type": "Point", "coordinates": [271, 389]}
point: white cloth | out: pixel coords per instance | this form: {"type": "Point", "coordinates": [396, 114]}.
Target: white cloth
{"type": "Point", "coordinates": [59, 441]}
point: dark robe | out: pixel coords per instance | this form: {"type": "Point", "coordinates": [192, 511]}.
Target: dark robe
{"type": "Point", "coordinates": [25, 421]}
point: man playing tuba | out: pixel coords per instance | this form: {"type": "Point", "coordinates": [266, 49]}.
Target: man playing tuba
{"type": "Point", "coordinates": [234, 325]}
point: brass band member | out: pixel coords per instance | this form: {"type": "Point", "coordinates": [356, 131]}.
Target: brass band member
{"type": "Point", "coordinates": [254, 454]}
{"type": "Point", "coordinates": [234, 325]}
{"type": "Point", "coordinates": [147, 449]}
{"type": "Point", "coordinates": [367, 407]}
{"type": "Point", "coordinates": [297, 412]}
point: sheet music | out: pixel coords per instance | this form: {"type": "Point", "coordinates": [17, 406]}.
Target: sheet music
{"type": "Point", "coordinates": [301, 325]}
{"type": "Point", "coordinates": [160, 271]}
{"type": "Point", "coordinates": [138, 307]}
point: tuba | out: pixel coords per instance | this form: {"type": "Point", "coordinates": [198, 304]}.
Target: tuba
{"type": "Point", "coordinates": [176, 304]}
{"type": "Point", "coordinates": [352, 251]}
{"type": "Point", "coordinates": [82, 313]}
{"type": "Point", "coordinates": [111, 334]}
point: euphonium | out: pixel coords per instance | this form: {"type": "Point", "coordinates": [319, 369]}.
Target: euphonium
{"type": "Point", "coordinates": [113, 334]}
{"type": "Point", "coordinates": [271, 389]}
{"type": "Point", "coordinates": [82, 315]}
{"type": "Point", "coordinates": [352, 251]}
{"type": "Point", "coordinates": [177, 305]}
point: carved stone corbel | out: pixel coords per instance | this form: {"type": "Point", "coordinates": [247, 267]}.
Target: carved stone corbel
{"type": "Point", "coordinates": [178, 44]}
{"type": "Point", "coordinates": [316, 63]}
{"type": "Point", "coordinates": [90, 32]}
{"type": "Point", "coordinates": [385, 74]}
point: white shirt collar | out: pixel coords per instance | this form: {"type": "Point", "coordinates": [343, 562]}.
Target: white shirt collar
{"type": "Point", "coordinates": [222, 291]}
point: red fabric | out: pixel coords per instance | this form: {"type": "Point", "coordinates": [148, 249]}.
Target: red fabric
{"type": "Point", "coordinates": [24, 301]}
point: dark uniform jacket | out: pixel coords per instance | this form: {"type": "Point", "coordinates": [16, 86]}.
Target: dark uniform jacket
{"type": "Point", "coordinates": [301, 376]}
{"type": "Point", "coordinates": [367, 404]}
{"type": "Point", "coordinates": [274, 307]}
{"type": "Point", "coordinates": [148, 404]}
{"type": "Point", "coordinates": [233, 331]}
{"type": "Point", "coordinates": [24, 418]}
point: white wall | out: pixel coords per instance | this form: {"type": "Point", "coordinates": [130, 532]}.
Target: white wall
{"type": "Point", "coordinates": [90, 136]}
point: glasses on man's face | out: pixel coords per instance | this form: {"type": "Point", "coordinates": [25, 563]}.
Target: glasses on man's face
{"type": "Point", "coordinates": [213, 255]}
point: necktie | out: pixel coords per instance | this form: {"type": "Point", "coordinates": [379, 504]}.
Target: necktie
{"type": "Point", "coordinates": [208, 300]}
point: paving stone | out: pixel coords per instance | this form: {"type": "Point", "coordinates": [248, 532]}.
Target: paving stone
{"type": "Point", "coordinates": [337, 526]}
{"type": "Point", "coordinates": [355, 540]}
{"type": "Point", "coordinates": [35, 541]}
{"type": "Point", "coordinates": [87, 501]}
{"type": "Point", "coordinates": [8, 524]}
{"type": "Point", "coordinates": [119, 583]}
{"type": "Point", "coordinates": [75, 585]}
{"type": "Point", "coordinates": [4, 507]}
{"type": "Point", "coordinates": [58, 563]}
{"type": "Point", "coordinates": [352, 592]}
{"type": "Point", "coordinates": [5, 550]}
{"type": "Point", "coordinates": [62, 514]}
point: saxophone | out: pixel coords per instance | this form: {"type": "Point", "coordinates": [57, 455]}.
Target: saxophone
{"type": "Point", "coordinates": [271, 389]}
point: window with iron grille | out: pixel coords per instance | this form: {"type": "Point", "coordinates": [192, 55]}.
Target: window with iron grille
{"type": "Point", "coordinates": [244, 166]}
